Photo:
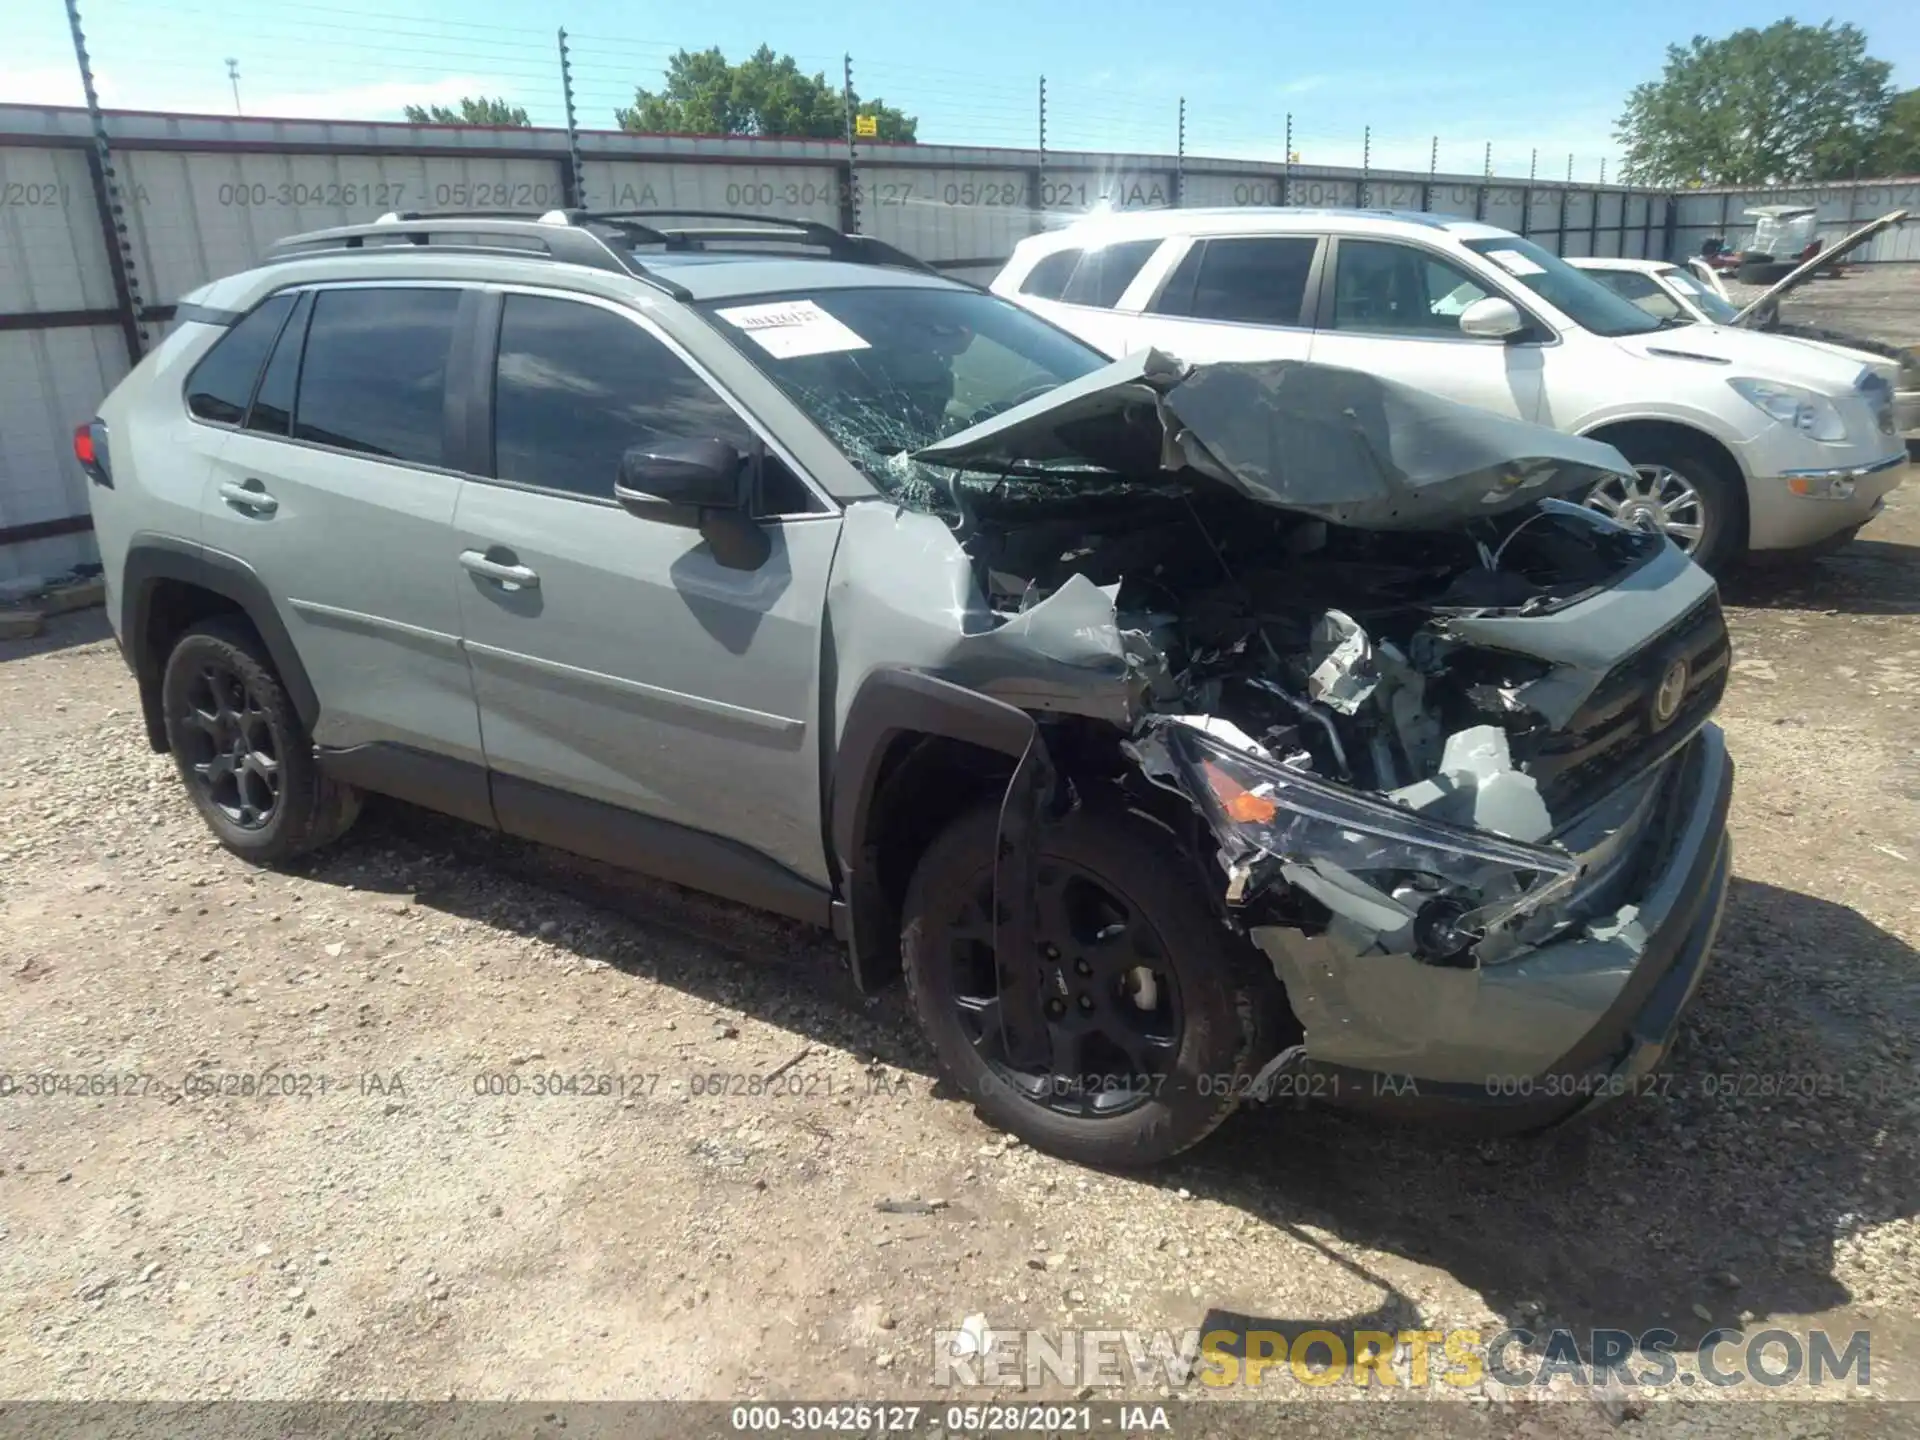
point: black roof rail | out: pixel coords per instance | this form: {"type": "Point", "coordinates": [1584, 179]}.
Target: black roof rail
{"type": "Point", "coordinates": [758, 229]}
{"type": "Point", "coordinates": [556, 233]}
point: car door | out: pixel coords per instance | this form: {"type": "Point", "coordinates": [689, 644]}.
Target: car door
{"type": "Point", "coordinates": [1393, 308]}
{"type": "Point", "coordinates": [637, 692]}
{"type": "Point", "coordinates": [1232, 297]}
{"type": "Point", "coordinates": [338, 492]}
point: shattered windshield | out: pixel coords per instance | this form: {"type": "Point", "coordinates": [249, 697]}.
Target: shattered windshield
{"type": "Point", "coordinates": [887, 371]}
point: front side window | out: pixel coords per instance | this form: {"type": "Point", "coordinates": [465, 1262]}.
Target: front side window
{"type": "Point", "coordinates": [1574, 293]}
{"type": "Point", "coordinates": [221, 385]}
{"type": "Point", "coordinates": [577, 386]}
{"type": "Point", "coordinates": [885, 372]}
{"type": "Point", "coordinates": [1384, 288]}
{"type": "Point", "coordinates": [1252, 279]}
{"type": "Point", "coordinates": [373, 377]}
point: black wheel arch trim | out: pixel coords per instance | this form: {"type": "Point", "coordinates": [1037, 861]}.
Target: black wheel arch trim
{"type": "Point", "coordinates": [893, 703]}
{"type": "Point", "coordinates": [155, 558]}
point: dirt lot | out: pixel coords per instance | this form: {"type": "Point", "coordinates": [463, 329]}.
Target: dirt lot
{"type": "Point", "coordinates": [394, 1230]}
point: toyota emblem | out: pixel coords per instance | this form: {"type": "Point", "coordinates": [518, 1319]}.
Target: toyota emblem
{"type": "Point", "coordinates": [1673, 690]}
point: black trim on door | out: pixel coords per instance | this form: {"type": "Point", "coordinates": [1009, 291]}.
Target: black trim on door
{"type": "Point", "coordinates": [655, 847]}
{"type": "Point", "coordinates": [420, 777]}
{"type": "Point", "coordinates": [468, 440]}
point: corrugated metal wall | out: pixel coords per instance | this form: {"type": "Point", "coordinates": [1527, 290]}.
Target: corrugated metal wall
{"type": "Point", "coordinates": [1722, 213]}
{"type": "Point", "coordinates": [206, 195]}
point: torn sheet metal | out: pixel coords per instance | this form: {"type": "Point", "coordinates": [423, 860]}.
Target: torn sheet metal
{"type": "Point", "coordinates": [903, 593]}
{"type": "Point", "coordinates": [1344, 675]}
{"type": "Point", "coordinates": [1477, 786]}
{"type": "Point", "coordinates": [1343, 445]}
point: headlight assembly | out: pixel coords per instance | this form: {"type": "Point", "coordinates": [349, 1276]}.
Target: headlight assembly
{"type": "Point", "coordinates": [1418, 885]}
{"type": "Point", "coordinates": [1812, 414]}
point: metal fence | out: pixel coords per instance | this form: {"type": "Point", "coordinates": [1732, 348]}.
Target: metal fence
{"type": "Point", "coordinates": [97, 241]}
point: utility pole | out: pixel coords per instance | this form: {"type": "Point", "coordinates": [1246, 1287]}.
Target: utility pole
{"type": "Point", "coordinates": [233, 79]}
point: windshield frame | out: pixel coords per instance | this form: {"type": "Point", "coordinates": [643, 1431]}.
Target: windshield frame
{"type": "Point", "coordinates": [1569, 282]}
{"type": "Point", "coordinates": [884, 481]}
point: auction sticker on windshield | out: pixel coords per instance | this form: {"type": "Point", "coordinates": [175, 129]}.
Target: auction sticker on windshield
{"type": "Point", "coordinates": [792, 327]}
{"type": "Point", "coordinates": [1514, 263]}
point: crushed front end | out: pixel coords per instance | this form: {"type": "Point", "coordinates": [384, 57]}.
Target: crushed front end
{"type": "Point", "coordinates": [1447, 734]}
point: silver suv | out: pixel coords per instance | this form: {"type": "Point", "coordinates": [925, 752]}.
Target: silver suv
{"type": "Point", "coordinates": [1182, 733]}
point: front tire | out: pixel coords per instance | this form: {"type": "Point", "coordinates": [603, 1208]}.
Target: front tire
{"type": "Point", "coordinates": [1158, 1016]}
{"type": "Point", "coordinates": [241, 751]}
{"type": "Point", "coordinates": [1679, 491]}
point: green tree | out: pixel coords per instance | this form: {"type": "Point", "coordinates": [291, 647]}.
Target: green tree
{"type": "Point", "coordinates": [765, 94]}
{"type": "Point", "coordinates": [1790, 102]}
{"type": "Point", "coordinates": [1898, 151]}
{"type": "Point", "coordinates": [473, 110]}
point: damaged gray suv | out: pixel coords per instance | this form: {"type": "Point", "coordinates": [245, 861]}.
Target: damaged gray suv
{"type": "Point", "coordinates": [1182, 734]}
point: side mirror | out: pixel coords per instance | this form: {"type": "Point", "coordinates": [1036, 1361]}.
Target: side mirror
{"type": "Point", "coordinates": [682, 475]}
{"type": "Point", "coordinates": [1491, 318]}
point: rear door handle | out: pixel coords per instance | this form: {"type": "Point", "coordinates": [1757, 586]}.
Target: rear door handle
{"type": "Point", "coordinates": [249, 497]}
{"type": "Point", "coordinates": [512, 577]}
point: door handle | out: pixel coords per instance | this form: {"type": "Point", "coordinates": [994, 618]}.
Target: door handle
{"type": "Point", "coordinates": [249, 497]}
{"type": "Point", "coordinates": [513, 577]}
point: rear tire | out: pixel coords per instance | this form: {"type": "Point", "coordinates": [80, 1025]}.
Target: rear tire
{"type": "Point", "coordinates": [1216, 1008]}
{"type": "Point", "coordinates": [241, 751]}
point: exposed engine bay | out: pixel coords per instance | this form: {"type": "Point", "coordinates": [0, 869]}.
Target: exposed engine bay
{"type": "Point", "coordinates": [1448, 674]}
{"type": "Point", "coordinates": [1332, 648]}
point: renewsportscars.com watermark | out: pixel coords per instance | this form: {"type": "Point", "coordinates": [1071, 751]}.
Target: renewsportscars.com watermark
{"type": "Point", "coordinates": [1459, 1359]}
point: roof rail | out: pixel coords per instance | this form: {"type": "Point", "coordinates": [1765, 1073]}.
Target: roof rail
{"type": "Point", "coordinates": [557, 234]}
{"type": "Point", "coordinates": [758, 229]}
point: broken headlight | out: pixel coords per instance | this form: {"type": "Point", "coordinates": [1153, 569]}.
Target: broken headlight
{"type": "Point", "coordinates": [1407, 884]}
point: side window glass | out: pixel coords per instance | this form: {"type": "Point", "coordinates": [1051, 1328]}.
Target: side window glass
{"type": "Point", "coordinates": [576, 386]}
{"type": "Point", "coordinates": [373, 378]}
{"type": "Point", "coordinates": [1176, 296]}
{"type": "Point", "coordinates": [1255, 279]}
{"type": "Point", "coordinates": [1048, 278]}
{"type": "Point", "coordinates": [272, 412]}
{"type": "Point", "coordinates": [222, 383]}
{"type": "Point", "coordinates": [1391, 289]}
{"type": "Point", "coordinates": [1104, 272]}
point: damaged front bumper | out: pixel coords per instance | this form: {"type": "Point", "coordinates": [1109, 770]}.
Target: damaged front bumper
{"type": "Point", "coordinates": [1570, 998]}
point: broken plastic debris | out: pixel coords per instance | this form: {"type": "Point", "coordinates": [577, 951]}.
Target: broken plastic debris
{"type": "Point", "coordinates": [1344, 673]}
{"type": "Point", "coordinates": [974, 1337]}
{"type": "Point", "coordinates": [1478, 786]}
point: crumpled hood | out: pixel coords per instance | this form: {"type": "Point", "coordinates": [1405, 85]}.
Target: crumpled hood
{"type": "Point", "coordinates": [1342, 445]}
{"type": "Point", "coordinates": [1739, 352]}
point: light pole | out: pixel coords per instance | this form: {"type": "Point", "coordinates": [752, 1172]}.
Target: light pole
{"type": "Point", "coordinates": [233, 78]}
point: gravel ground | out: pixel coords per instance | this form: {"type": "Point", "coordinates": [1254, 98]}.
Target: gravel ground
{"type": "Point", "coordinates": [393, 1231]}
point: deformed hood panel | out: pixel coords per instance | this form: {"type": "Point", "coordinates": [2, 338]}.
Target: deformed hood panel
{"type": "Point", "coordinates": [1341, 445]}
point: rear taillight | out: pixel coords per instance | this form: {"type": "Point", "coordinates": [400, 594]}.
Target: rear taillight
{"type": "Point", "coordinates": [90, 449]}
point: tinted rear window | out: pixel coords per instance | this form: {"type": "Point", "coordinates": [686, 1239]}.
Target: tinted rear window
{"type": "Point", "coordinates": [272, 412]}
{"type": "Point", "coordinates": [375, 371]}
{"type": "Point", "coordinates": [1048, 278]}
{"type": "Point", "coordinates": [222, 383]}
{"type": "Point", "coordinates": [1254, 279]}
{"type": "Point", "coordinates": [1103, 274]}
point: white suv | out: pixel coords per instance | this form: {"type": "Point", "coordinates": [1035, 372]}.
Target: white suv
{"type": "Point", "coordinates": [1739, 441]}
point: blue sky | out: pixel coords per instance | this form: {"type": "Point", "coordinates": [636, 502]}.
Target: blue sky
{"type": "Point", "coordinates": [1523, 76]}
